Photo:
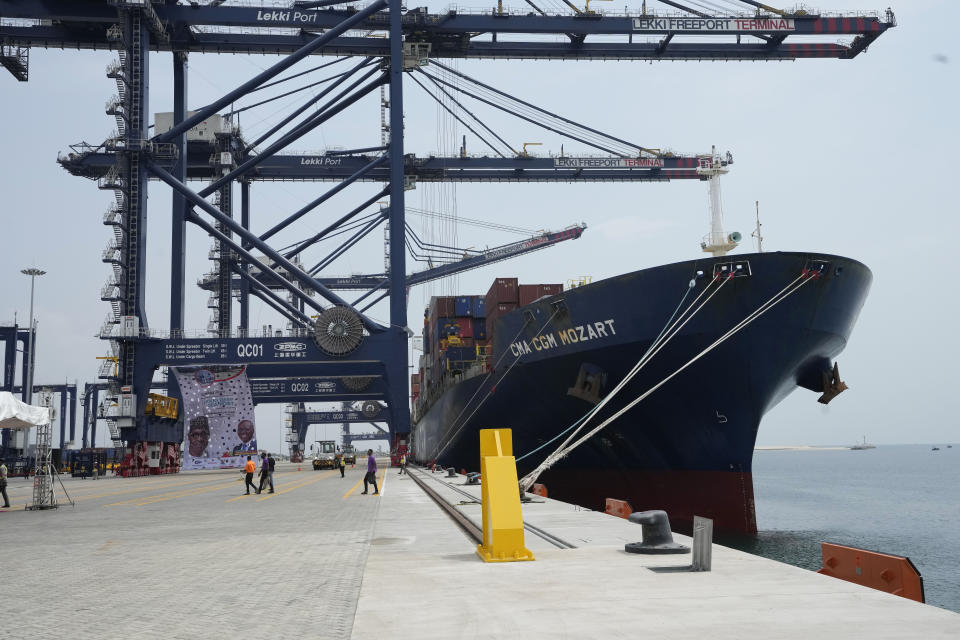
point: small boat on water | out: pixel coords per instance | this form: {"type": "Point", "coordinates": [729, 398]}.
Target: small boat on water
{"type": "Point", "coordinates": [860, 446]}
{"type": "Point", "coordinates": [935, 449]}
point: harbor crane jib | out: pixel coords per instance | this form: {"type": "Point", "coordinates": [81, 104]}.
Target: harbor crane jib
{"type": "Point", "coordinates": [368, 49]}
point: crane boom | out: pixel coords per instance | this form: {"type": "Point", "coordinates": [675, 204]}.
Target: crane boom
{"type": "Point", "coordinates": [218, 28]}
{"type": "Point", "coordinates": [473, 260]}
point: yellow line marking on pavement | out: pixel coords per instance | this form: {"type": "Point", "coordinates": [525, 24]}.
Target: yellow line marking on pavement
{"type": "Point", "coordinates": [352, 489]}
{"type": "Point", "coordinates": [136, 490]}
{"type": "Point", "coordinates": [276, 475]}
{"type": "Point", "coordinates": [183, 494]}
{"type": "Point", "coordinates": [176, 489]}
{"type": "Point", "coordinates": [356, 486]}
{"type": "Point", "coordinates": [296, 486]}
{"type": "Point", "coordinates": [78, 489]}
{"type": "Point", "coordinates": [161, 497]}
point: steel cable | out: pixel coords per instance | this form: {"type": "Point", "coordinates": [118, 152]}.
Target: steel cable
{"type": "Point", "coordinates": [562, 452]}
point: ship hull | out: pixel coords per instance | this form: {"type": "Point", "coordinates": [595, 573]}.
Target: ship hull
{"type": "Point", "coordinates": [688, 446]}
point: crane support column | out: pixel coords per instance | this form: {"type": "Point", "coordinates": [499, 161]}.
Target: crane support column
{"type": "Point", "coordinates": [244, 284]}
{"type": "Point", "coordinates": [132, 160]}
{"type": "Point", "coordinates": [397, 364]}
{"type": "Point", "coordinates": [179, 215]}
{"type": "Point", "coordinates": [223, 320]}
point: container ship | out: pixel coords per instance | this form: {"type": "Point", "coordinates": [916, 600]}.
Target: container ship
{"type": "Point", "coordinates": [730, 337]}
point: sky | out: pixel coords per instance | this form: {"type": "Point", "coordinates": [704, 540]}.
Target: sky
{"type": "Point", "coordinates": [852, 157]}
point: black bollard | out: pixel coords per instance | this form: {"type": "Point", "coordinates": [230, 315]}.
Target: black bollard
{"type": "Point", "coordinates": [657, 537]}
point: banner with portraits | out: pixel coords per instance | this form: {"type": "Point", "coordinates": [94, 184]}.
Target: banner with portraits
{"type": "Point", "coordinates": [218, 416]}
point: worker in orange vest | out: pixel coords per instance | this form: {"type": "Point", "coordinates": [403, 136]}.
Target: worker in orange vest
{"type": "Point", "coordinates": [250, 467]}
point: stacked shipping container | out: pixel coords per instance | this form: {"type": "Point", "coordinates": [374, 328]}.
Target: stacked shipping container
{"type": "Point", "coordinates": [455, 328]}
{"type": "Point", "coordinates": [501, 298]}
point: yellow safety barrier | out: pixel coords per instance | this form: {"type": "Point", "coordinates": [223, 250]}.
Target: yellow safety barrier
{"type": "Point", "coordinates": [500, 499]}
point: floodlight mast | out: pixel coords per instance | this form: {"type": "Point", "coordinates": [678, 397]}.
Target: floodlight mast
{"type": "Point", "coordinates": [33, 272]}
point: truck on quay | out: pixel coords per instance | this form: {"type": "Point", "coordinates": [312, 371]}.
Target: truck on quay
{"type": "Point", "coordinates": [326, 456]}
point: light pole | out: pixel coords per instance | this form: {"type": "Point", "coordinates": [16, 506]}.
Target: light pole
{"type": "Point", "coordinates": [33, 273]}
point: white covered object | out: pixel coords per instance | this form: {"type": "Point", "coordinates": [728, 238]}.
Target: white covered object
{"type": "Point", "coordinates": [16, 414]}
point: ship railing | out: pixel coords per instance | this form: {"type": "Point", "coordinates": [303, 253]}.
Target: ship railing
{"type": "Point", "coordinates": [714, 239]}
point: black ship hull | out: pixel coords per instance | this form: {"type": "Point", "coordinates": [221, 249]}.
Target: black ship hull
{"type": "Point", "coordinates": [687, 447]}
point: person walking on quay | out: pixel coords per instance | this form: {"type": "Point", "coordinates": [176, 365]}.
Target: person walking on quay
{"type": "Point", "coordinates": [264, 472]}
{"type": "Point", "coordinates": [250, 467]}
{"type": "Point", "coordinates": [343, 465]}
{"type": "Point", "coordinates": [272, 466]}
{"type": "Point", "coordinates": [3, 484]}
{"type": "Point", "coordinates": [403, 462]}
{"type": "Point", "coordinates": [371, 476]}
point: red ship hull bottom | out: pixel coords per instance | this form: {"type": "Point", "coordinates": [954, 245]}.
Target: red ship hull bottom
{"type": "Point", "coordinates": [724, 496]}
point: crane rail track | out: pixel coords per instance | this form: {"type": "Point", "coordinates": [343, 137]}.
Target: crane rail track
{"type": "Point", "coordinates": [472, 529]}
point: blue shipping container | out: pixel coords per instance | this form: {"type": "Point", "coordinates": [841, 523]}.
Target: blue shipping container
{"type": "Point", "coordinates": [463, 306]}
{"type": "Point", "coordinates": [445, 327]}
{"type": "Point", "coordinates": [480, 328]}
{"type": "Point", "coordinates": [479, 307]}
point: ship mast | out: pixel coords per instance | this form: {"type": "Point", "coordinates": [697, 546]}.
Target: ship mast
{"type": "Point", "coordinates": [711, 168]}
{"type": "Point", "coordinates": [756, 232]}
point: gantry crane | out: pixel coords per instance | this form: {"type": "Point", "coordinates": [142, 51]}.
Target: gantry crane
{"type": "Point", "coordinates": [345, 343]}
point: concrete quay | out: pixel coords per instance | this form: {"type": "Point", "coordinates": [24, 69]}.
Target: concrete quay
{"type": "Point", "coordinates": [188, 556]}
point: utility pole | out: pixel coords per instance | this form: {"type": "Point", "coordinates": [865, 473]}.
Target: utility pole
{"type": "Point", "coordinates": [33, 272]}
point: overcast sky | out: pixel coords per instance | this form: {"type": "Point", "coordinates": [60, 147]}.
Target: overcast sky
{"type": "Point", "coordinates": [852, 157]}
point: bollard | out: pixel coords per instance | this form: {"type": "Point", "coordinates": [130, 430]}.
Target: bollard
{"type": "Point", "coordinates": [451, 473]}
{"type": "Point", "coordinates": [657, 537]}
{"type": "Point", "coordinates": [473, 478]}
{"type": "Point", "coordinates": [702, 544]}
{"type": "Point", "coordinates": [500, 500]}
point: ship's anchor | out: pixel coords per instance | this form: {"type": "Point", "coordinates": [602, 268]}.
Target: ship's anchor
{"type": "Point", "coordinates": [832, 385]}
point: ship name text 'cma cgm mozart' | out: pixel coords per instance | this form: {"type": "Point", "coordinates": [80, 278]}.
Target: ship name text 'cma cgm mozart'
{"type": "Point", "coordinates": [563, 337]}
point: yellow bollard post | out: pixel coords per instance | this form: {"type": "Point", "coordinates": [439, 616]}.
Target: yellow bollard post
{"type": "Point", "coordinates": [500, 499]}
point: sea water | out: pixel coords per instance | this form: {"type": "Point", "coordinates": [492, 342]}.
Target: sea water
{"type": "Point", "coordinates": [899, 499]}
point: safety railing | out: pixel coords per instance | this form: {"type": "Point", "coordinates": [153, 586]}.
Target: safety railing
{"type": "Point", "coordinates": [111, 215]}
{"type": "Point", "coordinates": [108, 290]}
{"type": "Point", "coordinates": [114, 69]}
{"type": "Point", "coordinates": [111, 252]}
{"type": "Point", "coordinates": [110, 180]}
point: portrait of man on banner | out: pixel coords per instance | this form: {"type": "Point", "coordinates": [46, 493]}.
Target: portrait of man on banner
{"type": "Point", "coordinates": [218, 414]}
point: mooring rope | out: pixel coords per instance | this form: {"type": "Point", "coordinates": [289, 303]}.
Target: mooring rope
{"type": "Point", "coordinates": [666, 328]}
{"type": "Point", "coordinates": [651, 351]}
{"type": "Point", "coordinates": [564, 450]}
